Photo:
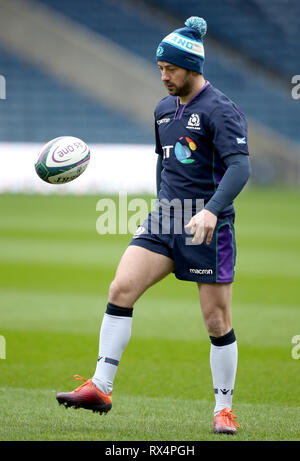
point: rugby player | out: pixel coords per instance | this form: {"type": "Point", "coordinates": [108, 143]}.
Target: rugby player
{"type": "Point", "coordinates": [201, 142]}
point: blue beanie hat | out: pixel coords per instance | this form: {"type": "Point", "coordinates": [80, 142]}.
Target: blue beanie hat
{"type": "Point", "coordinates": [184, 47]}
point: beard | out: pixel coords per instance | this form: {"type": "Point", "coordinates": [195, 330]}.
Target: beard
{"type": "Point", "coordinates": [184, 90]}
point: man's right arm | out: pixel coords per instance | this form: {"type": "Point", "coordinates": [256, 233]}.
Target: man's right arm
{"type": "Point", "coordinates": [159, 151]}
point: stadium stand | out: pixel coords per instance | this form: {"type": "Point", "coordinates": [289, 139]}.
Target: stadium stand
{"type": "Point", "coordinates": [266, 31]}
{"type": "Point", "coordinates": [39, 108]}
{"type": "Point", "coordinates": [136, 30]}
{"type": "Point", "coordinates": [119, 21]}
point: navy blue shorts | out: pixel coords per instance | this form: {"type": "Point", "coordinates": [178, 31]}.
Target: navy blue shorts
{"type": "Point", "coordinates": [213, 263]}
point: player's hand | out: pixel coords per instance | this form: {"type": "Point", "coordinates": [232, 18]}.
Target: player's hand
{"type": "Point", "coordinates": [202, 225]}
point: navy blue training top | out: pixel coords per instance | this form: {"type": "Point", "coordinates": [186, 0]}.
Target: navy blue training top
{"type": "Point", "coordinates": [193, 139]}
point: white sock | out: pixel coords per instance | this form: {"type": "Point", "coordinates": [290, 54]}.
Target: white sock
{"type": "Point", "coordinates": [223, 363]}
{"type": "Point", "coordinates": [115, 333]}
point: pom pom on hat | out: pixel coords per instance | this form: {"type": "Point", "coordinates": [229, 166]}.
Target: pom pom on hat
{"type": "Point", "coordinates": [197, 23]}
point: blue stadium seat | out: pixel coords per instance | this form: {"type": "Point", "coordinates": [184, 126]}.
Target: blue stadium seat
{"type": "Point", "coordinates": [267, 31]}
{"type": "Point", "coordinates": [135, 30]}
{"type": "Point", "coordinates": [39, 108]}
{"type": "Point", "coordinates": [118, 21]}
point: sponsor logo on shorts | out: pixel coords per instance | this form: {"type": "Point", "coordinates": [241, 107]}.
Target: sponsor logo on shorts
{"type": "Point", "coordinates": [139, 231]}
{"type": "Point", "coordinates": [202, 271]}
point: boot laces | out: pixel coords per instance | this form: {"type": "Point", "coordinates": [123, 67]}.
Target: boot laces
{"type": "Point", "coordinates": [80, 378]}
{"type": "Point", "coordinates": [227, 413]}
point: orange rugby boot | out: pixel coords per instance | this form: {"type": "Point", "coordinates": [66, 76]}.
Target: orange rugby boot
{"type": "Point", "coordinates": [224, 422]}
{"type": "Point", "coordinates": [86, 396]}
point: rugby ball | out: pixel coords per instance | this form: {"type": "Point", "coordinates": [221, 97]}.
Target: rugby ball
{"type": "Point", "coordinates": [62, 159]}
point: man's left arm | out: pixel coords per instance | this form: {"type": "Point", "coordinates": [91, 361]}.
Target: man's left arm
{"type": "Point", "coordinates": [237, 174]}
{"type": "Point", "coordinates": [238, 171]}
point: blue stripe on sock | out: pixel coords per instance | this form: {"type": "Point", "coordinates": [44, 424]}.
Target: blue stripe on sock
{"type": "Point", "coordinates": [111, 361]}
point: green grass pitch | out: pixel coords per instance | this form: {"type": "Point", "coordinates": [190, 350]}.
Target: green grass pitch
{"type": "Point", "coordinates": [55, 271]}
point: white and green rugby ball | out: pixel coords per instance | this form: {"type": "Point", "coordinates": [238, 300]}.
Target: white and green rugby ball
{"type": "Point", "coordinates": [62, 159]}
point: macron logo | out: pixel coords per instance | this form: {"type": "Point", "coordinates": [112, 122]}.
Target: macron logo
{"type": "Point", "coordinates": [201, 271]}
{"type": "Point", "coordinates": [241, 140]}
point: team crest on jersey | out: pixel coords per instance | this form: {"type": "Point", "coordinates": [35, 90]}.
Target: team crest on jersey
{"type": "Point", "coordinates": [194, 122]}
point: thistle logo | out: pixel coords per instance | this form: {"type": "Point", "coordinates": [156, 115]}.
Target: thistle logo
{"type": "Point", "coordinates": [184, 148]}
{"type": "Point", "coordinates": [159, 51]}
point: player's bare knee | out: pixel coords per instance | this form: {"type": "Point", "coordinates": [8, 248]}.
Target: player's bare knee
{"type": "Point", "coordinates": [216, 324]}
{"type": "Point", "coordinates": [120, 293]}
